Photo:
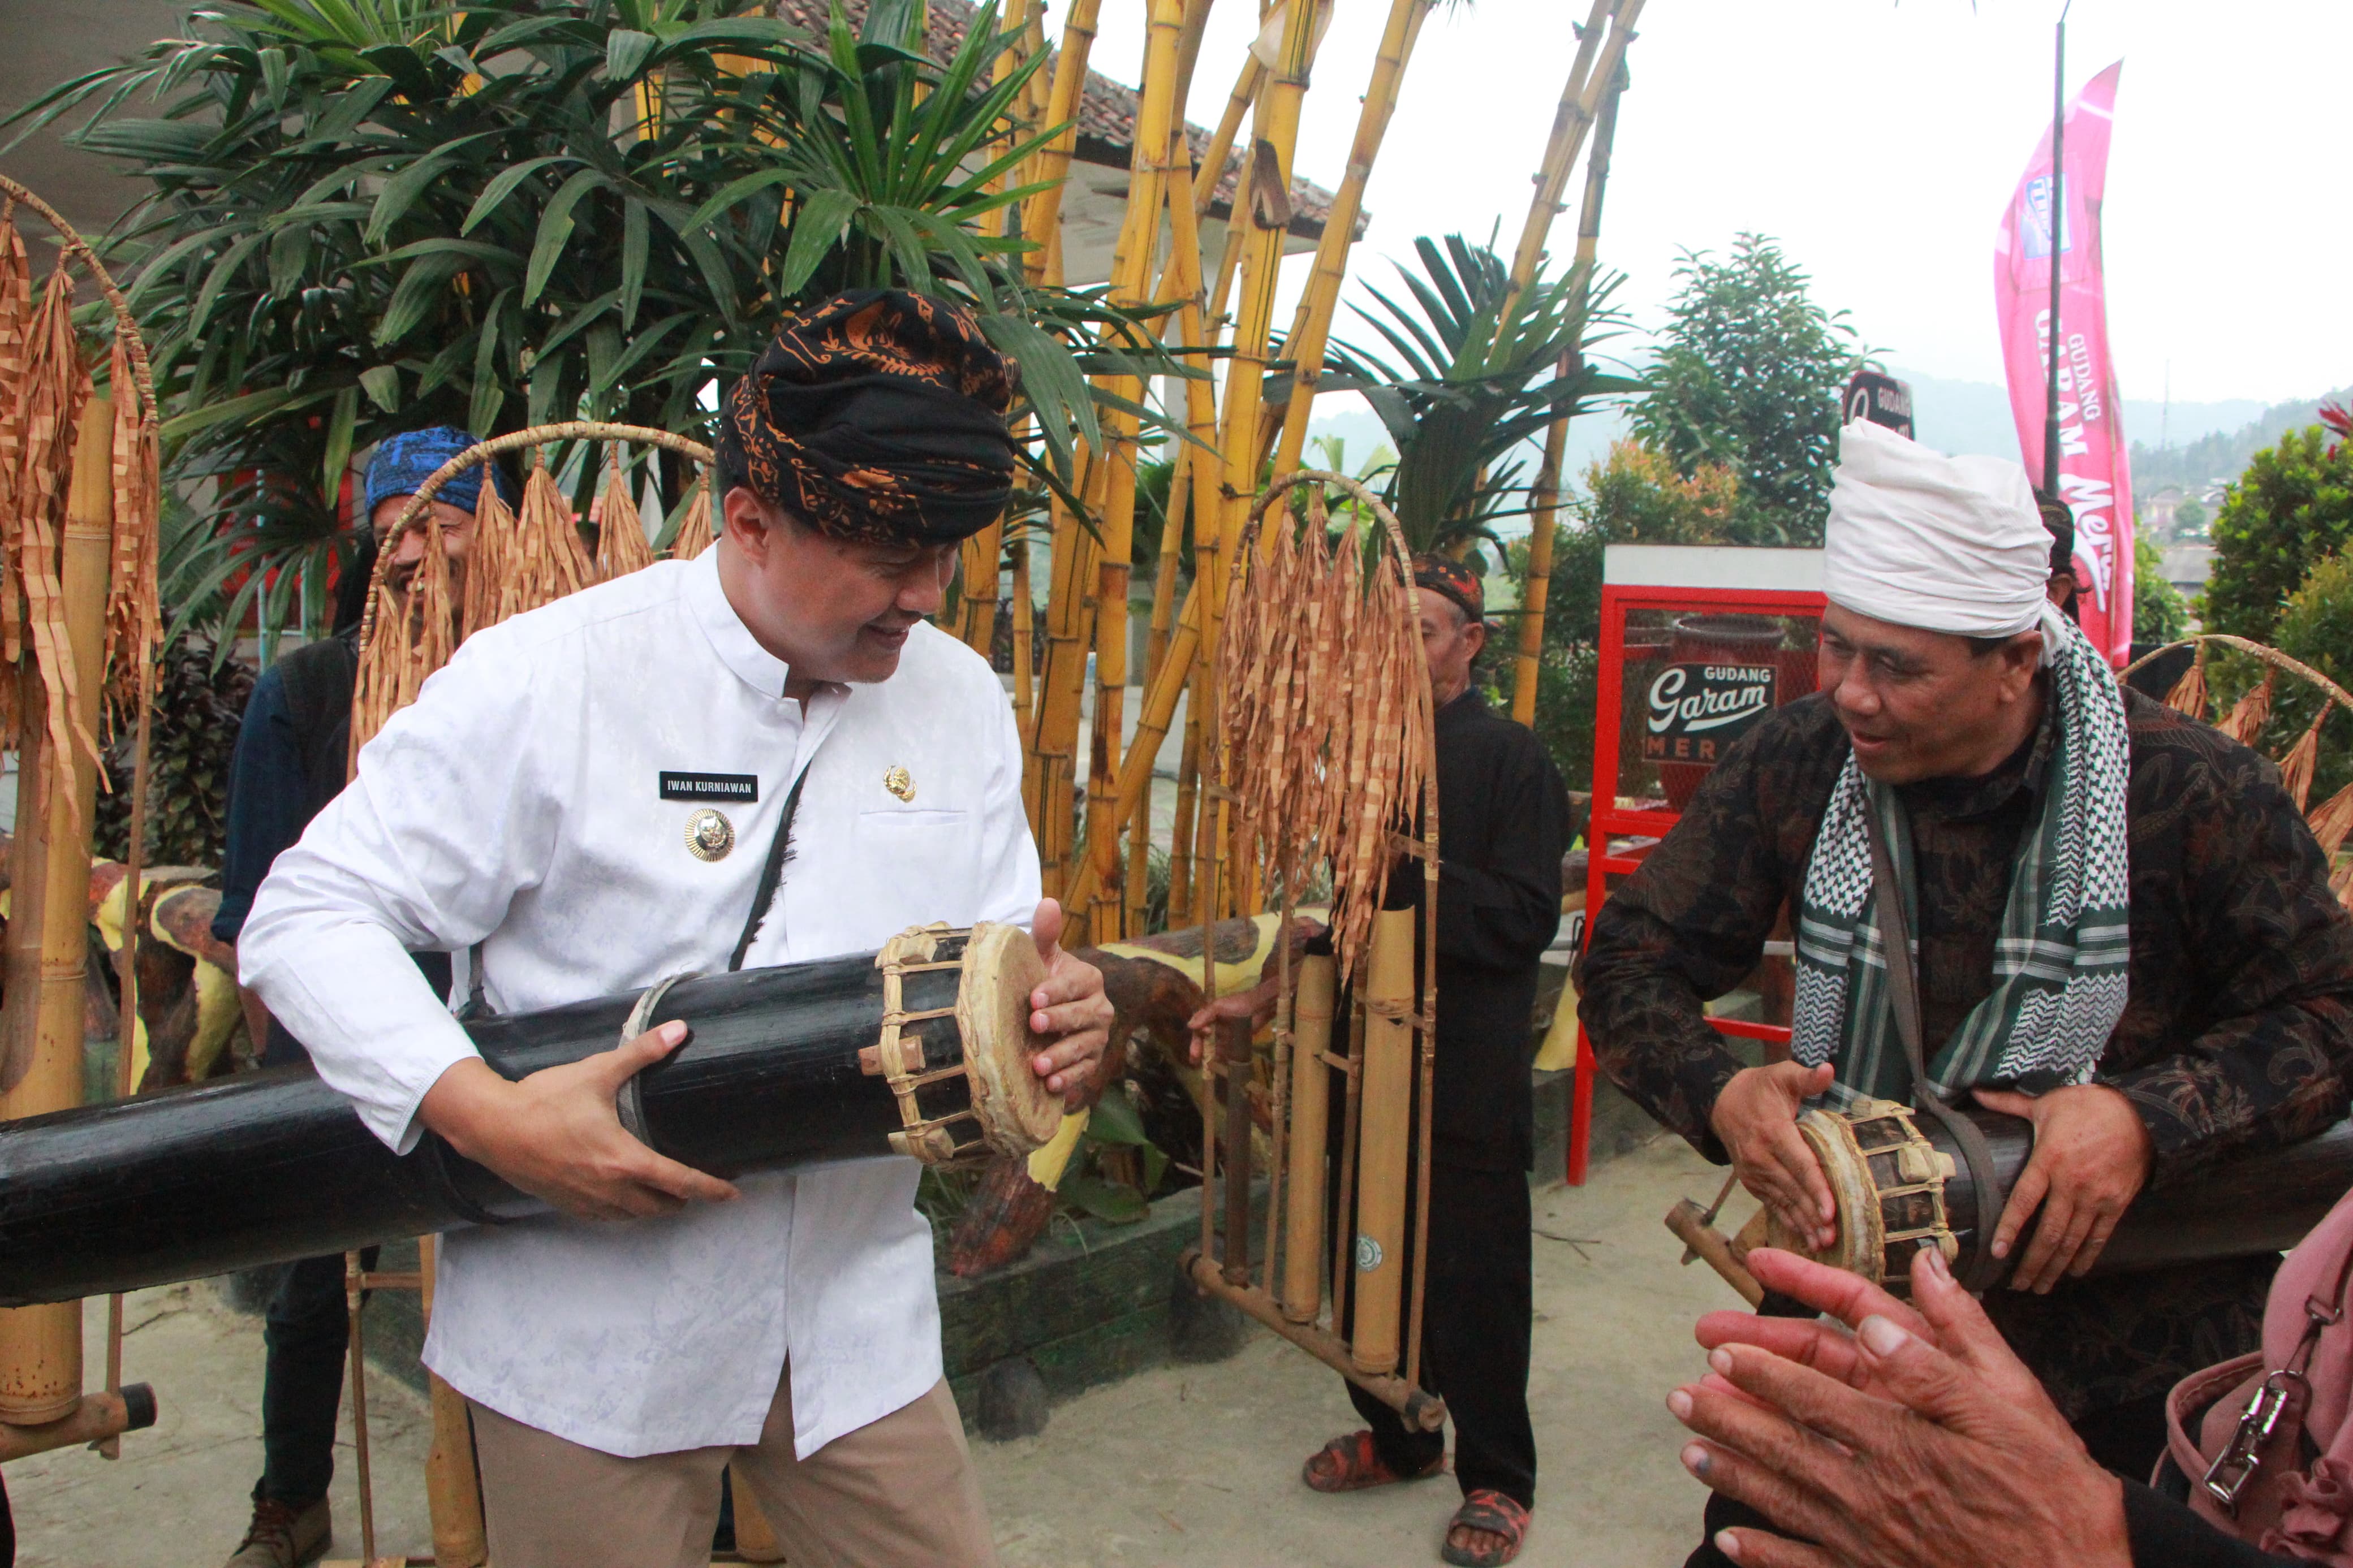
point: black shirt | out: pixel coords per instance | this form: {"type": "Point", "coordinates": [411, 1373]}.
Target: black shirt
{"type": "Point", "coordinates": [1502, 824]}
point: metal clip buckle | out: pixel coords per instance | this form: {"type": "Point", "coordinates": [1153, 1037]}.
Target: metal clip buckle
{"type": "Point", "coordinates": [2228, 1476]}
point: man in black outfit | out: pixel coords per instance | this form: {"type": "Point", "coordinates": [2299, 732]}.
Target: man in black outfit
{"type": "Point", "coordinates": [1503, 823]}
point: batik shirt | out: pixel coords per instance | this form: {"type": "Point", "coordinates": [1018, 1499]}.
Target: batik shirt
{"type": "Point", "coordinates": [2239, 1033]}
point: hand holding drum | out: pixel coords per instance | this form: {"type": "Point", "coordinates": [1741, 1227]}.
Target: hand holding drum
{"type": "Point", "coordinates": [556, 1135]}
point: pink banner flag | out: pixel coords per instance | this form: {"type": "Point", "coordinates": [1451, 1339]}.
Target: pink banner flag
{"type": "Point", "coordinates": [2095, 471]}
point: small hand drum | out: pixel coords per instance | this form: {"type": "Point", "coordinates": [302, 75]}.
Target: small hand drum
{"type": "Point", "coordinates": [1888, 1182]}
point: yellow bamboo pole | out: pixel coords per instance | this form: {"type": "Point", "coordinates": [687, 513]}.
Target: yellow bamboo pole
{"type": "Point", "coordinates": [1134, 774]}
{"type": "Point", "coordinates": [1221, 142]}
{"type": "Point", "coordinates": [1070, 603]}
{"type": "Point", "coordinates": [1275, 128]}
{"type": "Point", "coordinates": [1311, 326]}
{"type": "Point", "coordinates": [47, 943]}
{"type": "Point", "coordinates": [1041, 216]}
{"type": "Point", "coordinates": [1148, 185]}
{"type": "Point", "coordinates": [1544, 507]}
{"type": "Point", "coordinates": [1180, 832]}
{"type": "Point", "coordinates": [1138, 815]}
{"type": "Point", "coordinates": [977, 566]}
{"type": "Point", "coordinates": [983, 553]}
{"type": "Point", "coordinates": [1025, 694]}
{"type": "Point", "coordinates": [1595, 68]}
{"type": "Point", "coordinates": [1546, 501]}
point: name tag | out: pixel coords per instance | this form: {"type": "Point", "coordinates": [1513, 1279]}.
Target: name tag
{"type": "Point", "coordinates": [711, 787]}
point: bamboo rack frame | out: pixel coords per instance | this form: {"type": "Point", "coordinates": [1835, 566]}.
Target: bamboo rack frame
{"type": "Point", "coordinates": [1225, 1273]}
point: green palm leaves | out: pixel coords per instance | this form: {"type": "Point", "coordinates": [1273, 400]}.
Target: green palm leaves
{"type": "Point", "coordinates": [1478, 369]}
{"type": "Point", "coordinates": [367, 216]}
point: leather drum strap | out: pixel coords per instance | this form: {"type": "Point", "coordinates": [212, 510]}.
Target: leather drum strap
{"type": "Point", "coordinates": [1980, 1268]}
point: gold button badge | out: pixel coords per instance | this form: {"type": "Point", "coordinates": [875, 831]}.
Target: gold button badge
{"type": "Point", "coordinates": [708, 836]}
{"type": "Point", "coordinates": [901, 783]}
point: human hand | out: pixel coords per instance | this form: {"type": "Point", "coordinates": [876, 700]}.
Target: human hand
{"type": "Point", "coordinates": [555, 1133]}
{"type": "Point", "coordinates": [2092, 1157]}
{"type": "Point", "coordinates": [1070, 1002]}
{"type": "Point", "coordinates": [1827, 1348]}
{"type": "Point", "coordinates": [1934, 1447]}
{"type": "Point", "coordinates": [1756, 1116]}
{"type": "Point", "coordinates": [1255, 1007]}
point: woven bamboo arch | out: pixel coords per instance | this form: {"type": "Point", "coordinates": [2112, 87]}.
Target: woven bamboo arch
{"type": "Point", "coordinates": [133, 627]}
{"type": "Point", "coordinates": [2332, 820]}
{"type": "Point", "coordinates": [385, 686]}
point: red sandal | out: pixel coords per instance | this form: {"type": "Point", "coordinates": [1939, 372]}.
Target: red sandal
{"type": "Point", "coordinates": [1351, 1464]}
{"type": "Point", "coordinates": [1492, 1511]}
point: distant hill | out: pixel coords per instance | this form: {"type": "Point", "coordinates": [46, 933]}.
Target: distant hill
{"type": "Point", "coordinates": [2207, 441]}
{"type": "Point", "coordinates": [1974, 416]}
{"type": "Point", "coordinates": [2220, 457]}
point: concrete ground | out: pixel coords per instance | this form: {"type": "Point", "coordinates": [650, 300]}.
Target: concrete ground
{"type": "Point", "coordinates": [1194, 1465]}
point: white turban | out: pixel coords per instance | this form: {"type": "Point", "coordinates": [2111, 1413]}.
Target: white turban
{"type": "Point", "coordinates": [1946, 545]}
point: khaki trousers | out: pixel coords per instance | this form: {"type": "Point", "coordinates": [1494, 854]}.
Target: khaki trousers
{"type": "Point", "coordinates": [898, 1493]}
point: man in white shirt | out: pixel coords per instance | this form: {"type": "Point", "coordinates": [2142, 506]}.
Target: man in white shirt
{"type": "Point", "coordinates": [538, 804]}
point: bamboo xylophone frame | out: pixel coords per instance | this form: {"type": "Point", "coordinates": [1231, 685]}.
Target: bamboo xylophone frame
{"type": "Point", "coordinates": [1297, 1178]}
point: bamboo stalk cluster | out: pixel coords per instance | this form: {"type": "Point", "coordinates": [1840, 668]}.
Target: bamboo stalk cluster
{"type": "Point", "coordinates": [1323, 707]}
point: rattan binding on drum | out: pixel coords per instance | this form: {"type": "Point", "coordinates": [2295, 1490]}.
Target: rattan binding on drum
{"type": "Point", "coordinates": [1007, 1110]}
{"type": "Point", "coordinates": [1888, 1181]}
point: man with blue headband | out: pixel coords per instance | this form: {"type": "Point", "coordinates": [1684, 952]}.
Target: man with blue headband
{"type": "Point", "coordinates": [289, 761]}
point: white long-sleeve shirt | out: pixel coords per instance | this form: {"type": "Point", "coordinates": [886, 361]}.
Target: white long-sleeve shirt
{"type": "Point", "coordinates": [519, 802]}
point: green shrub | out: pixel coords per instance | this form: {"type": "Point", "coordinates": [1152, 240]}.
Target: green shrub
{"type": "Point", "coordinates": [1634, 497]}
{"type": "Point", "coordinates": [2315, 625]}
{"type": "Point", "coordinates": [2159, 612]}
{"type": "Point", "coordinates": [2290, 509]}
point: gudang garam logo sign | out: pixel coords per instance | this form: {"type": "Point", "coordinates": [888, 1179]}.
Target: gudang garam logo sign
{"type": "Point", "coordinates": [1698, 710]}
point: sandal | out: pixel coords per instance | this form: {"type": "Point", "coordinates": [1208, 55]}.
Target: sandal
{"type": "Point", "coordinates": [1351, 1464]}
{"type": "Point", "coordinates": [1492, 1511]}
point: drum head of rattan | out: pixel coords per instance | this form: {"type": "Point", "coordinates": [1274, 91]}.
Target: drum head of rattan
{"type": "Point", "coordinates": [1001, 968]}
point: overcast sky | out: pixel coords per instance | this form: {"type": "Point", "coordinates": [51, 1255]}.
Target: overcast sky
{"type": "Point", "coordinates": [1879, 142]}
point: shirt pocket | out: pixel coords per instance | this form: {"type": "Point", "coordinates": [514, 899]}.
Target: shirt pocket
{"type": "Point", "coordinates": [925, 863]}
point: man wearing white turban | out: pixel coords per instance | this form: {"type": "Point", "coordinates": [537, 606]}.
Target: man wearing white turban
{"type": "Point", "coordinates": [2122, 927]}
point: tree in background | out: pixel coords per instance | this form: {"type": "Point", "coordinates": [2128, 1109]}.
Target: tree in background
{"type": "Point", "coordinates": [1750, 379]}
{"type": "Point", "coordinates": [2161, 614]}
{"type": "Point", "coordinates": [2292, 509]}
{"type": "Point", "coordinates": [1635, 496]}
{"type": "Point", "coordinates": [2189, 518]}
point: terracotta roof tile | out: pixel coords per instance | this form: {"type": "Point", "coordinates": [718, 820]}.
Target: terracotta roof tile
{"type": "Point", "coordinates": [1106, 111]}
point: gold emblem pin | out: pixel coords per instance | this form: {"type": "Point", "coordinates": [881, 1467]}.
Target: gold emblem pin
{"type": "Point", "coordinates": [708, 836]}
{"type": "Point", "coordinates": [901, 783]}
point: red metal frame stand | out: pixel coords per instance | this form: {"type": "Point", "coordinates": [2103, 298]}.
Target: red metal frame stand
{"type": "Point", "coordinates": [1704, 581]}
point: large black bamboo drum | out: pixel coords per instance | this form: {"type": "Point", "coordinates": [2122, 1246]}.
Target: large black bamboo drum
{"type": "Point", "coordinates": [922, 1050]}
